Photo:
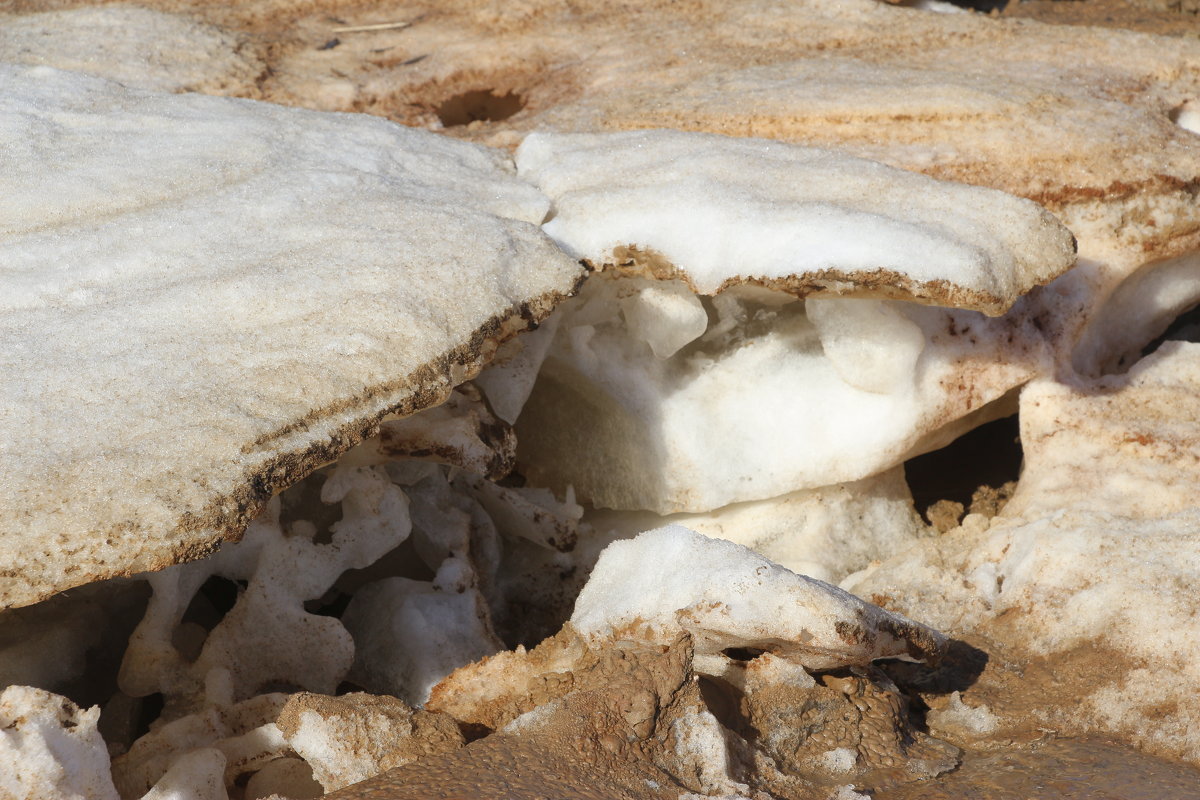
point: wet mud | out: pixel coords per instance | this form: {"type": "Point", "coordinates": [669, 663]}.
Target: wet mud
{"type": "Point", "coordinates": [1058, 769]}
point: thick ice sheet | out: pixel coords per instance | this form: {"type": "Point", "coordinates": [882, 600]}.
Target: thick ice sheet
{"type": "Point", "coordinates": [206, 298]}
{"type": "Point", "coordinates": [778, 394]}
{"type": "Point", "coordinates": [717, 211]}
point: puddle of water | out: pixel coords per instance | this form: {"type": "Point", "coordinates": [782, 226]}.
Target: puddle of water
{"type": "Point", "coordinates": [1062, 769]}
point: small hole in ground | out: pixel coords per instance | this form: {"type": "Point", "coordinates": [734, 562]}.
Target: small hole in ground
{"type": "Point", "coordinates": [479, 105]}
{"type": "Point", "coordinates": [724, 702]}
{"type": "Point", "coordinates": [742, 653]}
{"type": "Point", "coordinates": [973, 474]}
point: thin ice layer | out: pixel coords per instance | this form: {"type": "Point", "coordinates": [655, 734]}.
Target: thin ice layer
{"type": "Point", "coordinates": [718, 211]}
{"type": "Point", "coordinates": [206, 298]}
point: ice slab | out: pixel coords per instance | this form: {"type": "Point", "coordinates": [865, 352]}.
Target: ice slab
{"type": "Point", "coordinates": [207, 298]}
{"type": "Point", "coordinates": [715, 211]}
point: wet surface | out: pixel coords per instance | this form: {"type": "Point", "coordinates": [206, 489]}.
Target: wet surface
{"type": "Point", "coordinates": [1062, 769]}
{"type": "Point", "coordinates": [1164, 17]}
{"type": "Point", "coordinates": [510, 768]}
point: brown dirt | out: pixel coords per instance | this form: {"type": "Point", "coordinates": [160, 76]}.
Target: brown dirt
{"type": "Point", "coordinates": [515, 768]}
{"type": "Point", "coordinates": [1058, 769]}
{"type": "Point", "coordinates": [1165, 17]}
{"type": "Point", "coordinates": [608, 715]}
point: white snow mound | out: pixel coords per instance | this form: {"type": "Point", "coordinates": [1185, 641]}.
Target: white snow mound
{"type": "Point", "coordinates": [727, 596]}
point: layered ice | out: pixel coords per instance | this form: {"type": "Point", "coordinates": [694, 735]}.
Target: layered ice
{"type": "Point", "coordinates": [825, 533]}
{"type": "Point", "coordinates": [231, 294]}
{"type": "Point", "coordinates": [717, 211]}
{"type": "Point", "coordinates": [689, 376]}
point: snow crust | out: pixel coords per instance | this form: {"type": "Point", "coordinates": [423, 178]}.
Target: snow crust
{"type": "Point", "coordinates": [720, 209]}
{"type": "Point", "coordinates": [135, 46]}
{"type": "Point", "coordinates": [673, 579]}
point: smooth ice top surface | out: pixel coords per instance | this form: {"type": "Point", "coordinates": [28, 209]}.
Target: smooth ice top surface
{"type": "Point", "coordinates": [204, 299]}
{"type": "Point", "coordinates": [728, 596]}
{"type": "Point", "coordinates": [718, 211]}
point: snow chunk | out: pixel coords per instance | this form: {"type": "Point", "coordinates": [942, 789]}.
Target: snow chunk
{"type": "Point", "coordinates": [719, 211]}
{"type": "Point", "coordinates": [231, 294]}
{"type": "Point", "coordinates": [1097, 552]}
{"type": "Point", "coordinates": [1126, 445]}
{"type": "Point", "coordinates": [461, 432]}
{"type": "Point", "coordinates": [351, 738]}
{"type": "Point", "coordinates": [50, 748]}
{"type": "Point", "coordinates": [665, 315]}
{"type": "Point", "coordinates": [977, 720]}
{"type": "Point", "coordinates": [1127, 314]}
{"type": "Point", "coordinates": [198, 775]}
{"type": "Point", "coordinates": [872, 346]}
{"type": "Point", "coordinates": [729, 597]}
{"type": "Point", "coordinates": [243, 735]}
{"type": "Point", "coordinates": [509, 379]}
